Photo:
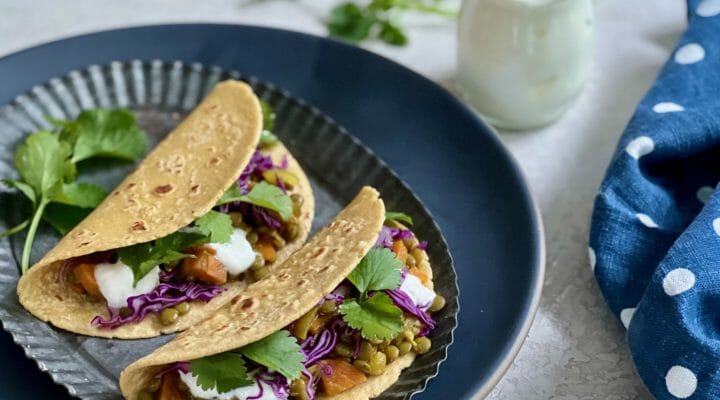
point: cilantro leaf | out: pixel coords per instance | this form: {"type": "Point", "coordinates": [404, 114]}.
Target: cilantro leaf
{"type": "Point", "coordinates": [84, 195]}
{"type": "Point", "coordinates": [23, 187]}
{"type": "Point", "coordinates": [279, 352]}
{"type": "Point", "coordinates": [351, 22]}
{"type": "Point", "coordinates": [376, 318]}
{"type": "Point", "coordinates": [263, 195]}
{"type": "Point", "coordinates": [216, 225]}
{"type": "Point", "coordinates": [143, 257]}
{"type": "Point", "coordinates": [63, 217]}
{"type": "Point", "coordinates": [267, 138]}
{"type": "Point", "coordinates": [224, 372]}
{"type": "Point", "coordinates": [104, 133]}
{"type": "Point", "coordinates": [378, 270]}
{"type": "Point", "coordinates": [231, 195]}
{"type": "Point", "coordinates": [43, 162]}
{"type": "Point", "coordinates": [398, 216]}
{"type": "Point", "coordinates": [268, 116]}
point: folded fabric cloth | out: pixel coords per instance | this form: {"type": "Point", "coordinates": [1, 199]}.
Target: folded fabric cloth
{"type": "Point", "coordinates": [655, 236]}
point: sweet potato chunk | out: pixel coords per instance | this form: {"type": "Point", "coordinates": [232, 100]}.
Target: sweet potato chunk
{"type": "Point", "coordinates": [265, 247]}
{"type": "Point", "coordinates": [204, 267]}
{"type": "Point", "coordinates": [424, 278]}
{"type": "Point", "coordinates": [85, 274]}
{"type": "Point", "coordinates": [400, 250]}
{"type": "Point", "coordinates": [344, 376]}
{"type": "Point", "coordinates": [169, 389]}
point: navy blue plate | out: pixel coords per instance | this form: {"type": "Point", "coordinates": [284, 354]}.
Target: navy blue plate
{"type": "Point", "coordinates": [453, 161]}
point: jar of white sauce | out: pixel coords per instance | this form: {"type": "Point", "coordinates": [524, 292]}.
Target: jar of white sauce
{"type": "Point", "coordinates": [521, 62]}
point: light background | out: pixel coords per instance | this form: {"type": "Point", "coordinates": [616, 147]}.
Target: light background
{"type": "Point", "coordinates": [576, 349]}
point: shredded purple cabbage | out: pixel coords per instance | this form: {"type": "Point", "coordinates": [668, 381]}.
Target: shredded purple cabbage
{"type": "Point", "coordinates": [388, 235]}
{"type": "Point", "coordinates": [278, 384]}
{"type": "Point", "coordinates": [168, 293]}
{"type": "Point", "coordinates": [183, 367]}
{"type": "Point", "coordinates": [422, 245]}
{"type": "Point", "coordinates": [405, 303]}
{"type": "Point", "coordinates": [258, 164]}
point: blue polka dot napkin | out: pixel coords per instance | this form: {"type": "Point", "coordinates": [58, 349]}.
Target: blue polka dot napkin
{"type": "Point", "coordinates": [655, 236]}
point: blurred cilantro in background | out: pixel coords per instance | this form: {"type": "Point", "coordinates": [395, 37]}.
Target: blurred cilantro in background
{"type": "Point", "coordinates": [376, 20]}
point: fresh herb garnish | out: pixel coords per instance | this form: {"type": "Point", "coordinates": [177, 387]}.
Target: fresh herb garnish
{"type": "Point", "coordinates": [104, 133]}
{"type": "Point", "coordinates": [264, 195]}
{"type": "Point", "coordinates": [378, 270]}
{"type": "Point", "coordinates": [398, 217]}
{"type": "Point", "coordinates": [143, 257]}
{"type": "Point", "coordinates": [212, 227]}
{"type": "Point", "coordinates": [267, 138]}
{"type": "Point", "coordinates": [375, 316]}
{"type": "Point", "coordinates": [279, 352]}
{"type": "Point", "coordinates": [226, 371]}
{"type": "Point", "coordinates": [376, 20]}
{"type": "Point", "coordinates": [47, 164]}
{"type": "Point", "coordinates": [216, 225]}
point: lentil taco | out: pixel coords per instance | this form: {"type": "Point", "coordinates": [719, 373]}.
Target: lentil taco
{"type": "Point", "coordinates": [213, 208]}
{"type": "Point", "coordinates": [340, 320]}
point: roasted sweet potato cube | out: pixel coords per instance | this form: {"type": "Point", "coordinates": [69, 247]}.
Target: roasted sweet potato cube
{"type": "Point", "coordinates": [85, 274]}
{"type": "Point", "coordinates": [204, 267]}
{"type": "Point", "coordinates": [344, 376]}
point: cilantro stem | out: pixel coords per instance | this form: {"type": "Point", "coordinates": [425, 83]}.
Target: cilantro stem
{"type": "Point", "coordinates": [15, 229]}
{"type": "Point", "coordinates": [418, 6]}
{"type": "Point", "coordinates": [30, 238]}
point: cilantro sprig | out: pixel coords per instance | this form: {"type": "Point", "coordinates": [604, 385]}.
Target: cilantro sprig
{"type": "Point", "coordinates": [395, 216]}
{"type": "Point", "coordinates": [212, 227]}
{"type": "Point", "coordinates": [377, 20]}
{"type": "Point", "coordinates": [375, 315]}
{"type": "Point", "coordinates": [267, 138]}
{"type": "Point", "coordinates": [264, 195]}
{"type": "Point", "coordinates": [227, 371]}
{"type": "Point", "coordinates": [47, 163]}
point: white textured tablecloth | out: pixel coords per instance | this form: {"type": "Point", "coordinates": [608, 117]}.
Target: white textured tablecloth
{"type": "Point", "coordinates": [575, 349]}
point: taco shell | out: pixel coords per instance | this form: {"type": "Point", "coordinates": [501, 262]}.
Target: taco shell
{"type": "Point", "coordinates": [181, 179]}
{"type": "Point", "coordinates": [278, 300]}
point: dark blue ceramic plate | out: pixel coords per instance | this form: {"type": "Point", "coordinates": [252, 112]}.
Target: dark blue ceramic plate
{"type": "Point", "coordinates": [452, 161]}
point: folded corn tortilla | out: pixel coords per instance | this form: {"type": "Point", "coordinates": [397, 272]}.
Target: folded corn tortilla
{"type": "Point", "coordinates": [179, 181]}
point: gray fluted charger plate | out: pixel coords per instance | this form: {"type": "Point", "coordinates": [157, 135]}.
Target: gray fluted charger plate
{"type": "Point", "coordinates": [161, 93]}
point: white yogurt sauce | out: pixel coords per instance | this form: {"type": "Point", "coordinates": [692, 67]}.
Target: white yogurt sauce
{"type": "Point", "coordinates": [521, 62]}
{"type": "Point", "coordinates": [116, 283]}
{"type": "Point", "coordinates": [239, 393]}
{"type": "Point", "coordinates": [420, 295]}
{"type": "Point", "coordinates": [237, 255]}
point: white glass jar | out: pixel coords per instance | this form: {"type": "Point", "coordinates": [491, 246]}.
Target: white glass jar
{"type": "Point", "coordinates": [521, 62]}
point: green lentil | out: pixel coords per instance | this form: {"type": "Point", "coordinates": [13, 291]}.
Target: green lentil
{"type": "Point", "coordinates": [392, 353]}
{"type": "Point", "coordinates": [366, 351]}
{"type": "Point", "coordinates": [328, 307]}
{"type": "Point", "coordinates": [260, 273]}
{"type": "Point", "coordinates": [154, 385]}
{"type": "Point", "coordinates": [378, 363]}
{"type": "Point", "coordinates": [343, 350]}
{"type": "Point", "coordinates": [362, 365]}
{"type": "Point", "coordinates": [302, 325]}
{"type": "Point", "coordinates": [422, 345]}
{"type": "Point", "coordinates": [404, 348]}
{"type": "Point", "coordinates": [169, 316]}
{"type": "Point", "coordinates": [292, 230]}
{"type": "Point", "coordinates": [183, 307]}
{"type": "Point", "coordinates": [437, 304]}
{"type": "Point", "coordinates": [259, 262]}
{"type": "Point", "coordinates": [297, 389]}
{"type": "Point", "coordinates": [277, 240]}
{"type": "Point", "coordinates": [252, 237]}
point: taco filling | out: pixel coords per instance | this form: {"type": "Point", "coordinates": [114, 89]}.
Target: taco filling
{"type": "Point", "coordinates": [236, 241]}
{"type": "Point", "coordinates": [379, 315]}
